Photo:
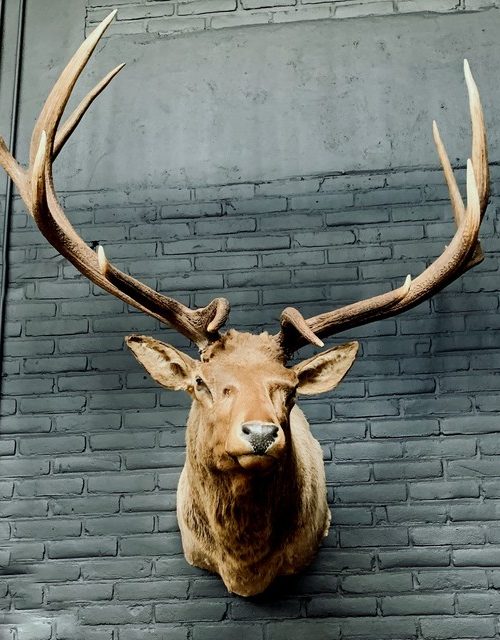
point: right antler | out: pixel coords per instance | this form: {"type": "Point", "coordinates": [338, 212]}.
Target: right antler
{"type": "Point", "coordinates": [463, 252]}
{"type": "Point", "coordinates": [36, 187]}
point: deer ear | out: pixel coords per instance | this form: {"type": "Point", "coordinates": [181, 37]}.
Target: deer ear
{"type": "Point", "coordinates": [324, 371]}
{"type": "Point", "coordinates": [169, 367]}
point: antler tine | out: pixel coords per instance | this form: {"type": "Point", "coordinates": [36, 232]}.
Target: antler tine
{"type": "Point", "coordinates": [57, 99]}
{"type": "Point", "coordinates": [36, 187]}
{"type": "Point", "coordinates": [461, 254]}
{"type": "Point", "coordinates": [74, 119]}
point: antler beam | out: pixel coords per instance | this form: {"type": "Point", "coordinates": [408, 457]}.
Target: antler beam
{"type": "Point", "coordinates": [463, 252]}
{"type": "Point", "coordinates": [36, 187]}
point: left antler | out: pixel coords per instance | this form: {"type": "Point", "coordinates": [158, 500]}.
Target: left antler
{"type": "Point", "coordinates": [36, 188]}
{"type": "Point", "coordinates": [463, 252]}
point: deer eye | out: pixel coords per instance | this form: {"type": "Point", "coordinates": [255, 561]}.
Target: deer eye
{"type": "Point", "coordinates": [200, 382]}
{"type": "Point", "coordinates": [227, 391]}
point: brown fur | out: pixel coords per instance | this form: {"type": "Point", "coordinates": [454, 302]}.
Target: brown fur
{"type": "Point", "coordinates": [245, 516]}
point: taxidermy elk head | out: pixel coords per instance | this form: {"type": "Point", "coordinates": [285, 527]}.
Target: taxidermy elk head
{"type": "Point", "coordinates": [251, 497]}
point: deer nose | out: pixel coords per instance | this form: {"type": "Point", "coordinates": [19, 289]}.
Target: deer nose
{"type": "Point", "coordinates": [260, 435]}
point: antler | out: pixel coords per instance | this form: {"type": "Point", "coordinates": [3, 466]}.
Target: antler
{"type": "Point", "coordinates": [36, 187]}
{"type": "Point", "coordinates": [463, 252]}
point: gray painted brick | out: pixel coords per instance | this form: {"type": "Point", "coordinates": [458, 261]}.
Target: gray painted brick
{"type": "Point", "coordinates": [152, 545]}
{"type": "Point", "coordinates": [79, 592]}
{"type": "Point", "coordinates": [183, 612]}
{"type": "Point", "coordinates": [447, 535]}
{"type": "Point", "coordinates": [86, 463]}
{"type": "Point", "coordinates": [51, 445]}
{"type": "Point", "coordinates": [49, 487]}
{"type": "Point", "coordinates": [47, 528]}
{"type": "Point", "coordinates": [374, 537]}
{"type": "Point", "coordinates": [448, 627]}
{"type": "Point", "coordinates": [121, 483]}
{"type": "Point", "coordinates": [415, 557]}
{"type": "Point", "coordinates": [119, 525]}
{"type": "Point", "coordinates": [152, 590]}
{"type": "Point", "coordinates": [115, 614]}
{"type": "Point", "coordinates": [82, 548]}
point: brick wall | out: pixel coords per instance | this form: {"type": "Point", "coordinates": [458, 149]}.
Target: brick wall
{"type": "Point", "coordinates": [91, 449]}
{"type": "Point", "coordinates": [169, 17]}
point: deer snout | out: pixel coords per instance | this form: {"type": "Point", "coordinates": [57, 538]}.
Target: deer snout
{"type": "Point", "coordinates": [261, 435]}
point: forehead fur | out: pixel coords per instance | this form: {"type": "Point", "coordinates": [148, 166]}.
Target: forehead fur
{"type": "Point", "coordinates": [250, 346]}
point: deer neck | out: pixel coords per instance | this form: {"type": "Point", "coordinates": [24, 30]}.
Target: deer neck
{"type": "Point", "coordinates": [242, 510]}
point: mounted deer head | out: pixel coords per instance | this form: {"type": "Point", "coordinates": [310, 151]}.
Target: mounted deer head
{"type": "Point", "coordinates": [251, 497]}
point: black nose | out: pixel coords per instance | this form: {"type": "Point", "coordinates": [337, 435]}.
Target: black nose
{"type": "Point", "coordinates": [260, 435]}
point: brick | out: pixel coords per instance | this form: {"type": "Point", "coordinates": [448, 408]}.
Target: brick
{"type": "Point", "coordinates": [390, 627]}
{"type": "Point", "coordinates": [86, 463]}
{"type": "Point", "coordinates": [414, 557]}
{"type": "Point", "coordinates": [116, 569]}
{"type": "Point", "coordinates": [374, 537]}
{"type": "Point", "coordinates": [152, 590]}
{"type": "Point", "coordinates": [244, 610]}
{"type": "Point", "coordinates": [377, 493]}
{"type": "Point", "coordinates": [152, 545]}
{"type": "Point", "coordinates": [368, 450]}
{"type": "Point", "coordinates": [49, 487]}
{"type": "Point", "coordinates": [159, 632]}
{"type": "Point", "coordinates": [469, 424]}
{"type": "Point", "coordinates": [405, 6]}
{"type": "Point", "coordinates": [342, 606]}
{"type": "Point", "coordinates": [52, 404]}
{"type": "Point", "coordinates": [486, 510]}
{"type": "Point", "coordinates": [122, 441]}
{"type": "Point", "coordinates": [89, 382]}
{"type": "Point", "coordinates": [82, 548]}
{"type": "Point", "coordinates": [299, 15]}
{"type": "Point", "coordinates": [84, 506]}
{"type": "Point", "coordinates": [488, 556]}
{"type": "Point", "coordinates": [51, 445]}
{"type": "Point", "coordinates": [88, 422]}
{"type": "Point", "coordinates": [56, 327]}
{"type": "Point", "coordinates": [368, 408]}
{"type": "Point", "coordinates": [184, 612]}
{"type": "Point", "coordinates": [435, 604]}
{"type": "Point", "coordinates": [79, 592]}
{"type": "Point", "coordinates": [35, 630]}
{"type": "Point", "coordinates": [120, 525]}
{"type": "Point", "coordinates": [154, 460]}
{"type": "Point", "coordinates": [121, 483]}
{"type": "Point", "coordinates": [23, 468]}
{"type": "Point", "coordinates": [53, 528]}
{"type": "Point", "coordinates": [378, 583]}
{"type": "Point", "coordinates": [444, 490]}
{"type": "Point", "coordinates": [166, 26]}
{"type": "Point", "coordinates": [227, 631]}
{"type": "Point", "coordinates": [205, 6]}
{"type": "Point", "coordinates": [23, 508]}
{"type": "Point", "coordinates": [237, 20]}
{"type": "Point", "coordinates": [28, 386]}
{"type": "Point", "coordinates": [115, 614]}
{"type": "Point", "coordinates": [447, 627]}
{"type": "Point", "coordinates": [448, 447]}
{"type": "Point", "coordinates": [404, 428]}
{"type": "Point", "coordinates": [471, 468]}
{"type": "Point", "coordinates": [451, 579]}
{"type": "Point", "coordinates": [55, 364]}
{"type": "Point", "coordinates": [299, 629]}
{"type": "Point", "coordinates": [397, 470]}
{"type": "Point", "coordinates": [407, 513]}
{"type": "Point", "coordinates": [447, 535]}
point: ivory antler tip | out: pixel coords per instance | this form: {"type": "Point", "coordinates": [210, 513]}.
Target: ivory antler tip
{"type": "Point", "coordinates": [407, 284]}
{"type": "Point", "coordinates": [101, 258]}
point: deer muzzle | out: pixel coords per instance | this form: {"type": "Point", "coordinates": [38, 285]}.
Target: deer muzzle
{"type": "Point", "coordinates": [260, 435]}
